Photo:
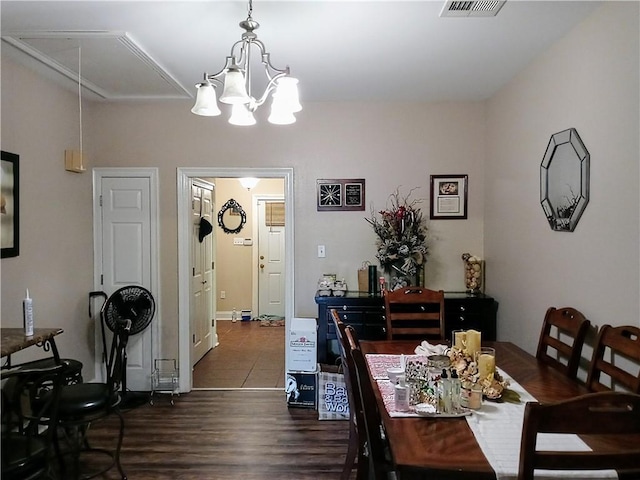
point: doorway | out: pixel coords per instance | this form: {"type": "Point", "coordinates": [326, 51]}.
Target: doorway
{"type": "Point", "coordinates": [184, 176]}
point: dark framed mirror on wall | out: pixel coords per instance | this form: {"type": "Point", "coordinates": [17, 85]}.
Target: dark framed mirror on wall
{"type": "Point", "coordinates": [564, 180]}
{"type": "Point", "coordinates": [231, 217]}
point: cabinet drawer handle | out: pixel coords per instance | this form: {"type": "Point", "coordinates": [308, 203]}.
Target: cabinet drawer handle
{"type": "Point", "coordinates": [344, 307]}
{"type": "Point", "coordinates": [344, 317]}
{"type": "Point", "coordinates": [462, 309]}
{"type": "Point", "coordinates": [461, 318]}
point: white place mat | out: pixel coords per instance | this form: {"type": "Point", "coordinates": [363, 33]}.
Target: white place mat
{"type": "Point", "coordinates": [498, 430]}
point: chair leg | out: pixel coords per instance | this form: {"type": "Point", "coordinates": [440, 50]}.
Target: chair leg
{"type": "Point", "coordinates": [363, 462]}
{"type": "Point", "coordinates": [76, 439]}
{"type": "Point", "coordinates": [352, 451]}
{"type": "Point", "coordinates": [120, 438]}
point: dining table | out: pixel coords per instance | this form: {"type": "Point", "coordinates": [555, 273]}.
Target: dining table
{"type": "Point", "coordinates": [13, 340]}
{"type": "Point", "coordinates": [447, 448]}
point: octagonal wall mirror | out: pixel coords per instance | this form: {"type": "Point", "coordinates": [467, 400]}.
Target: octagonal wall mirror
{"type": "Point", "coordinates": [564, 180]}
{"type": "Point", "coordinates": [231, 217]}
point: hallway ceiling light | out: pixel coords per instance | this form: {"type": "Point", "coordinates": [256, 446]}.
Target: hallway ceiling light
{"type": "Point", "coordinates": [248, 182]}
{"type": "Point", "coordinates": [235, 80]}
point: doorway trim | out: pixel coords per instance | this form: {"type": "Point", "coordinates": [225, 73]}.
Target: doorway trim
{"type": "Point", "coordinates": [182, 177]}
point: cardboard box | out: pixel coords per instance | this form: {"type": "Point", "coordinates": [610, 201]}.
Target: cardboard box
{"type": "Point", "coordinates": [302, 355]}
{"type": "Point", "coordinates": [300, 389]}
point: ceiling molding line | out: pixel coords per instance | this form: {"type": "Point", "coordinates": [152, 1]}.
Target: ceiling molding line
{"type": "Point", "coordinates": [19, 40]}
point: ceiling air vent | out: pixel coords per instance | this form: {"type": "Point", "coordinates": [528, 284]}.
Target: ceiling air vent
{"type": "Point", "coordinates": [471, 9]}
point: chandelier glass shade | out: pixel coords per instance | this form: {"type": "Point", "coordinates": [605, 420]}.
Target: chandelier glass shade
{"type": "Point", "coordinates": [235, 81]}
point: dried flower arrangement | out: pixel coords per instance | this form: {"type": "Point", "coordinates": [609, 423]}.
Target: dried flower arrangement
{"type": "Point", "coordinates": [402, 236]}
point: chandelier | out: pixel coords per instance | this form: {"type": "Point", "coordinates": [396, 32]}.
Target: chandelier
{"type": "Point", "coordinates": [235, 80]}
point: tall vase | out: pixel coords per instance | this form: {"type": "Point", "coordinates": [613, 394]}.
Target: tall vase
{"type": "Point", "coordinates": [473, 273]}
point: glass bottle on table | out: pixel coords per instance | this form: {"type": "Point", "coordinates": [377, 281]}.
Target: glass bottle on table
{"type": "Point", "coordinates": [445, 393]}
{"type": "Point", "coordinates": [456, 391]}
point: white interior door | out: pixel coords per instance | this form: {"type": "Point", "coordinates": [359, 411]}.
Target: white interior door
{"type": "Point", "coordinates": [202, 319]}
{"type": "Point", "coordinates": [126, 246]}
{"type": "Point", "coordinates": [271, 257]}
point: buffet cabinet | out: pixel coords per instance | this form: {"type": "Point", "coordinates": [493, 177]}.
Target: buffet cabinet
{"type": "Point", "coordinates": [366, 314]}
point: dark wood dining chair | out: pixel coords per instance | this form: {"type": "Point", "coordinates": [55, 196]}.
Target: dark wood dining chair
{"type": "Point", "coordinates": [380, 464]}
{"type": "Point", "coordinates": [603, 413]}
{"type": "Point", "coordinates": [356, 448]}
{"type": "Point", "coordinates": [30, 401]}
{"type": "Point", "coordinates": [561, 339]}
{"type": "Point", "coordinates": [414, 312]}
{"type": "Point", "coordinates": [615, 346]}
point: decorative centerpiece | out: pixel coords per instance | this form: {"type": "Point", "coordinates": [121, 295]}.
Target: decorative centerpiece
{"type": "Point", "coordinates": [401, 242]}
{"type": "Point", "coordinates": [475, 366]}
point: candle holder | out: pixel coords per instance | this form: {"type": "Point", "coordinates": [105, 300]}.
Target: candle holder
{"type": "Point", "coordinates": [486, 361]}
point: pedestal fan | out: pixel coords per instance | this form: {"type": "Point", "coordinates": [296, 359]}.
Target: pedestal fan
{"type": "Point", "coordinates": [134, 303]}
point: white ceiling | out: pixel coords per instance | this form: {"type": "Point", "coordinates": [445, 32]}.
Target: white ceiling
{"type": "Point", "coordinates": [340, 50]}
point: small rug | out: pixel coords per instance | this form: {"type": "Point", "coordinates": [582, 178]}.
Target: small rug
{"type": "Point", "coordinates": [270, 321]}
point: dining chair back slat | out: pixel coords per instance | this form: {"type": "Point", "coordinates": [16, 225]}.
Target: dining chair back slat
{"type": "Point", "coordinates": [603, 413]}
{"type": "Point", "coordinates": [615, 347]}
{"type": "Point", "coordinates": [561, 339]}
{"type": "Point", "coordinates": [414, 312]}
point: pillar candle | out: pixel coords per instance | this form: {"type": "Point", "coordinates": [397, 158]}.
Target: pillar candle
{"type": "Point", "coordinates": [459, 339]}
{"type": "Point", "coordinates": [473, 342]}
{"type": "Point", "coordinates": [486, 365]}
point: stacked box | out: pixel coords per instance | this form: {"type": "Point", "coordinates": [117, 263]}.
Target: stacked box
{"type": "Point", "coordinates": [301, 385]}
{"type": "Point", "coordinates": [301, 389]}
{"type": "Point", "coordinates": [302, 354]}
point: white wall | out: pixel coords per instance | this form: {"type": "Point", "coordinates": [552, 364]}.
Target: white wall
{"type": "Point", "coordinates": [588, 80]}
{"type": "Point", "coordinates": [39, 122]}
{"type": "Point", "coordinates": [389, 145]}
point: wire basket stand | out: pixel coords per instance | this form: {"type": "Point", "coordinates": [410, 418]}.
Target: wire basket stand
{"type": "Point", "coordinates": [165, 378]}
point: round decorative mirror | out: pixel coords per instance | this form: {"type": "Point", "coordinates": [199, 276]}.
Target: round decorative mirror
{"type": "Point", "coordinates": [564, 180]}
{"type": "Point", "coordinates": [231, 217]}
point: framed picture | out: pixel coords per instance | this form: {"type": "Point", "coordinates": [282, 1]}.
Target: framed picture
{"type": "Point", "coordinates": [449, 197]}
{"type": "Point", "coordinates": [340, 194]}
{"type": "Point", "coordinates": [9, 205]}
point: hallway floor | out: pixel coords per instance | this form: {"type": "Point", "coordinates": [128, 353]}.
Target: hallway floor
{"type": "Point", "coordinates": [248, 356]}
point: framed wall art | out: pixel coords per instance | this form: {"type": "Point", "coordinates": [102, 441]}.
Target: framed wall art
{"type": "Point", "coordinates": [449, 197]}
{"type": "Point", "coordinates": [340, 194]}
{"type": "Point", "coordinates": [9, 204]}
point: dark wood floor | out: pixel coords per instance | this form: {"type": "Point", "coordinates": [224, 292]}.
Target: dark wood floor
{"type": "Point", "coordinates": [248, 356]}
{"type": "Point", "coordinates": [227, 435]}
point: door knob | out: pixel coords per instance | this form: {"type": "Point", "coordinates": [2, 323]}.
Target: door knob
{"type": "Point", "coordinates": [262, 265]}
{"type": "Point", "coordinates": [261, 257]}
